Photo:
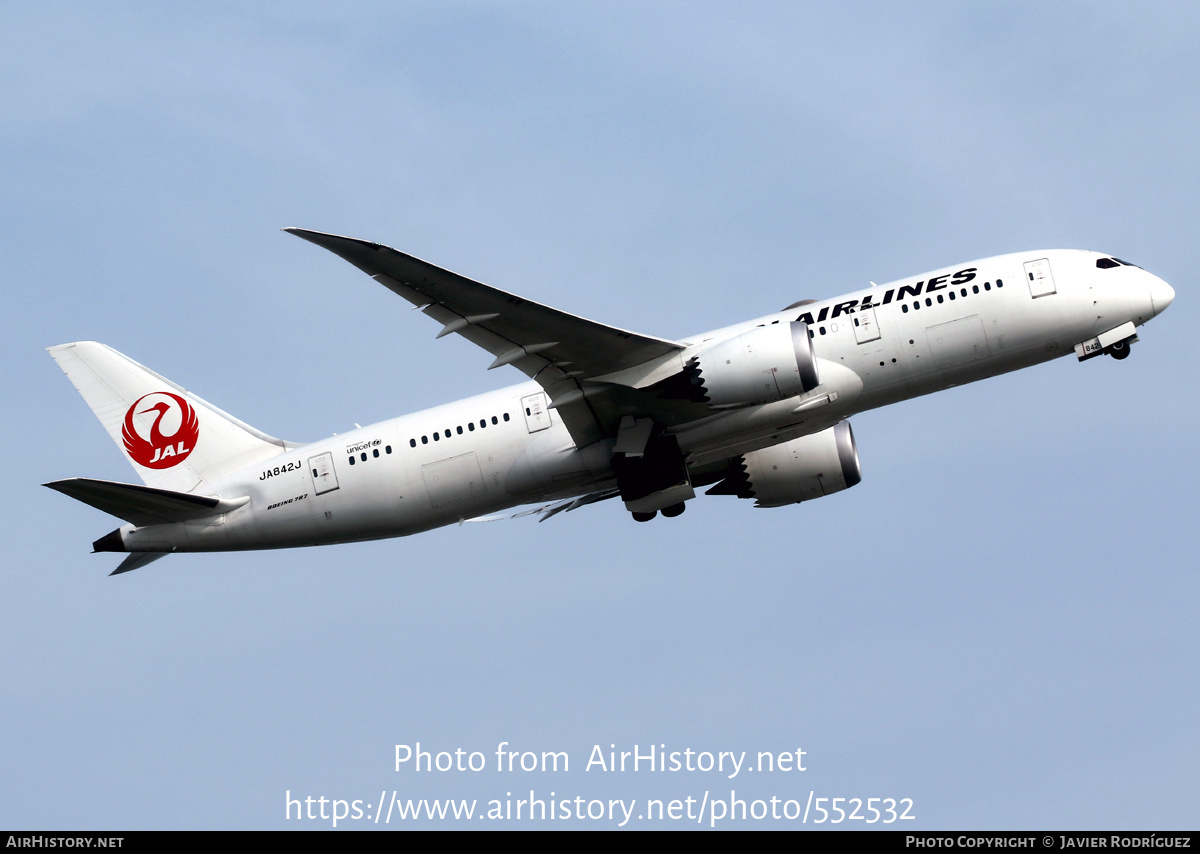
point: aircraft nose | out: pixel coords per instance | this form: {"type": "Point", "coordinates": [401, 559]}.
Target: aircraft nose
{"type": "Point", "coordinates": [1161, 295]}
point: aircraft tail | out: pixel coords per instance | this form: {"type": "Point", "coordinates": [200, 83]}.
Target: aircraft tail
{"type": "Point", "coordinates": [174, 440]}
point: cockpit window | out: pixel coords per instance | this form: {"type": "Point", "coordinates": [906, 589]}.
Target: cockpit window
{"type": "Point", "coordinates": [1126, 263]}
{"type": "Point", "coordinates": [1106, 263]}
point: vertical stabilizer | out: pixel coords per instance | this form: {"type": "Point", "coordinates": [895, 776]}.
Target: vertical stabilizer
{"type": "Point", "coordinates": [173, 439]}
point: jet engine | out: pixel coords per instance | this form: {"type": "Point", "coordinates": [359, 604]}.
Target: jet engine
{"type": "Point", "coordinates": [764, 365]}
{"type": "Point", "coordinates": [799, 470]}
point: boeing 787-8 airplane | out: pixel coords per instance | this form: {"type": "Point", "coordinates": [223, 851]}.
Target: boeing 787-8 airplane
{"type": "Point", "coordinates": [756, 410]}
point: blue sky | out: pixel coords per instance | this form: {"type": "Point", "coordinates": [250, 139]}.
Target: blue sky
{"type": "Point", "coordinates": [998, 623]}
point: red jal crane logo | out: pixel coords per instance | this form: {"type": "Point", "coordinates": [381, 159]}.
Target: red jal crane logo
{"type": "Point", "coordinates": [161, 450]}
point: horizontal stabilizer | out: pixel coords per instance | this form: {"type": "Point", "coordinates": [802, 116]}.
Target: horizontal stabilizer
{"type": "Point", "coordinates": [137, 561]}
{"type": "Point", "coordinates": [143, 505]}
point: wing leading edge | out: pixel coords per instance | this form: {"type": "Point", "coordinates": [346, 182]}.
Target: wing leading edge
{"type": "Point", "coordinates": [557, 349]}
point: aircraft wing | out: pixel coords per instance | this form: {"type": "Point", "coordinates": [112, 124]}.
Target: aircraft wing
{"type": "Point", "coordinates": [545, 511]}
{"type": "Point", "coordinates": [557, 349]}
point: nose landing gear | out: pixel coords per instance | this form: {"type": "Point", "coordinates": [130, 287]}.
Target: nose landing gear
{"type": "Point", "coordinates": [1115, 342]}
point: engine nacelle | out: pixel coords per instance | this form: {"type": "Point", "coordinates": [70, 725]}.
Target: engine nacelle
{"type": "Point", "coordinates": [799, 470]}
{"type": "Point", "coordinates": [763, 365]}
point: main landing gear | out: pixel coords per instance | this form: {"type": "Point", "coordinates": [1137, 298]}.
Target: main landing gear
{"type": "Point", "coordinates": [651, 471]}
{"type": "Point", "coordinates": [669, 512]}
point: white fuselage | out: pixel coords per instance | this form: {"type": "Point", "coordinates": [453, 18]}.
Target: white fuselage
{"type": "Point", "coordinates": [505, 448]}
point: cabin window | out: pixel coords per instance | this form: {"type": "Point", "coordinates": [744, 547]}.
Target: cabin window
{"type": "Point", "coordinates": [999, 283]}
{"type": "Point", "coordinates": [351, 460]}
{"type": "Point", "coordinates": [495, 420]}
{"type": "Point", "coordinates": [388, 449]}
{"type": "Point", "coordinates": [940, 300]}
{"type": "Point", "coordinates": [375, 453]}
{"type": "Point", "coordinates": [471, 426]}
{"type": "Point", "coordinates": [987, 286]}
{"type": "Point", "coordinates": [424, 440]}
{"type": "Point", "coordinates": [975, 289]}
{"type": "Point", "coordinates": [904, 308]}
{"type": "Point", "coordinates": [505, 416]}
{"type": "Point", "coordinates": [364, 456]}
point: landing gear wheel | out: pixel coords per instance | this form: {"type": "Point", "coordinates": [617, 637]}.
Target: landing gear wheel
{"type": "Point", "coordinates": [1120, 350]}
{"type": "Point", "coordinates": [674, 510]}
{"type": "Point", "coordinates": [644, 517]}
